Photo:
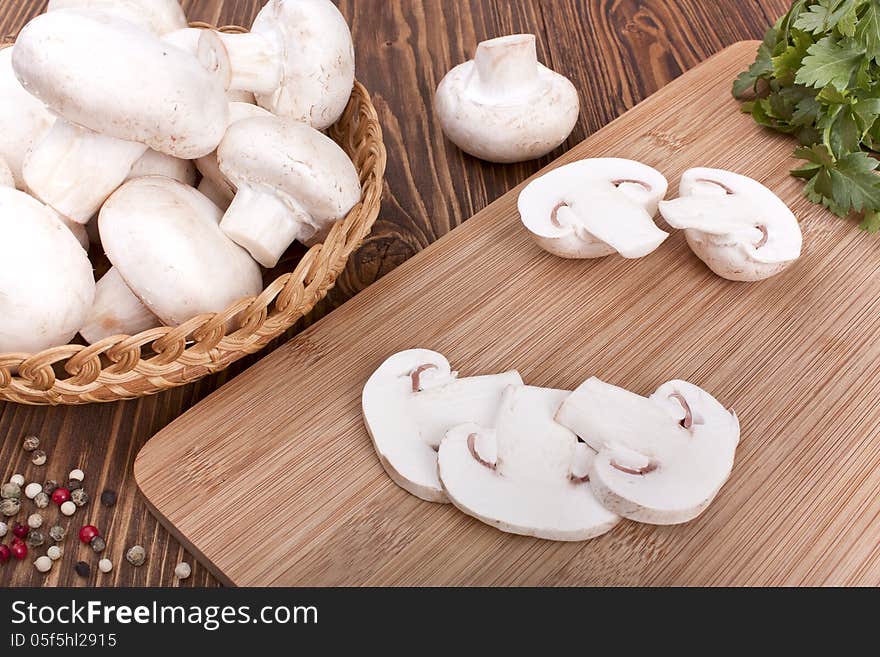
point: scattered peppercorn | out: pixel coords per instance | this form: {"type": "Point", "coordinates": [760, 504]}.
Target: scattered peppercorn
{"type": "Point", "coordinates": [87, 533]}
{"type": "Point", "coordinates": [10, 491]}
{"type": "Point", "coordinates": [35, 538]}
{"type": "Point", "coordinates": [79, 497]}
{"type": "Point", "coordinates": [105, 565]}
{"type": "Point", "coordinates": [60, 496]}
{"type": "Point", "coordinates": [82, 569]}
{"type": "Point", "coordinates": [68, 508]}
{"type": "Point", "coordinates": [9, 507]}
{"type": "Point", "coordinates": [77, 474]}
{"type": "Point", "coordinates": [108, 497]}
{"type": "Point", "coordinates": [5, 553]}
{"type": "Point", "coordinates": [35, 521]}
{"type": "Point", "coordinates": [30, 443]}
{"type": "Point", "coordinates": [19, 530]}
{"type": "Point", "coordinates": [183, 570]}
{"type": "Point", "coordinates": [57, 532]}
{"type": "Point", "coordinates": [136, 555]}
{"type": "Point", "coordinates": [39, 457]}
{"type": "Point", "coordinates": [73, 484]}
{"type": "Point", "coordinates": [98, 544]}
{"type": "Point", "coordinates": [43, 564]}
{"type": "Point", "coordinates": [55, 552]}
{"type": "Point", "coordinates": [19, 550]}
{"type": "Point", "coordinates": [32, 490]}
{"type": "Point", "coordinates": [50, 486]}
{"type": "Point", "coordinates": [41, 501]}
{"type": "Point", "coordinates": [17, 479]}
{"type": "Point", "coordinates": [3, 529]}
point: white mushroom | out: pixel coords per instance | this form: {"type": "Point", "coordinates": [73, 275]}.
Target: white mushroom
{"type": "Point", "coordinates": [175, 103]}
{"type": "Point", "coordinates": [163, 238]}
{"type": "Point", "coordinates": [216, 195]}
{"type": "Point", "coordinates": [160, 16]}
{"type": "Point", "coordinates": [23, 119]}
{"type": "Point", "coordinates": [527, 475]}
{"type": "Point", "coordinates": [503, 106]}
{"type": "Point", "coordinates": [116, 311]}
{"type": "Point", "coordinates": [293, 183]}
{"type": "Point", "coordinates": [298, 59]}
{"type": "Point", "coordinates": [42, 305]}
{"type": "Point", "coordinates": [410, 402]}
{"type": "Point", "coordinates": [661, 460]}
{"type": "Point", "coordinates": [79, 230]}
{"type": "Point", "coordinates": [738, 227]}
{"type": "Point", "coordinates": [6, 179]}
{"type": "Point", "coordinates": [595, 207]}
{"type": "Point", "coordinates": [154, 163]}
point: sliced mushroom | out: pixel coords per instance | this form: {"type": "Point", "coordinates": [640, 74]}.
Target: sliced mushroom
{"type": "Point", "coordinates": [293, 183]}
{"type": "Point", "coordinates": [160, 16]}
{"type": "Point", "coordinates": [154, 163]}
{"type": "Point", "coordinates": [662, 459]}
{"type": "Point", "coordinates": [738, 227]}
{"type": "Point", "coordinates": [503, 106]}
{"type": "Point", "coordinates": [527, 475]}
{"type": "Point", "coordinates": [164, 239]}
{"type": "Point", "coordinates": [23, 119]}
{"type": "Point", "coordinates": [6, 179]}
{"type": "Point", "coordinates": [116, 311]}
{"type": "Point", "coordinates": [42, 305]}
{"type": "Point", "coordinates": [595, 207]}
{"type": "Point", "coordinates": [298, 59]}
{"type": "Point", "coordinates": [410, 402]}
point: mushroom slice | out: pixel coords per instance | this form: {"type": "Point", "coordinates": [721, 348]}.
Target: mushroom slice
{"type": "Point", "coordinates": [595, 207]}
{"type": "Point", "coordinates": [503, 106]}
{"type": "Point", "coordinates": [40, 306]}
{"type": "Point", "coordinates": [661, 459]}
{"type": "Point", "coordinates": [527, 475]}
{"type": "Point", "coordinates": [6, 179]}
{"type": "Point", "coordinates": [411, 401]}
{"type": "Point", "coordinates": [160, 16]}
{"type": "Point", "coordinates": [164, 239]}
{"type": "Point", "coordinates": [293, 183]}
{"type": "Point", "coordinates": [116, 311]}
{"type": "Point", "coordinates": [23, 119]}
{"type": "Point", "coordinates": [738, 227]}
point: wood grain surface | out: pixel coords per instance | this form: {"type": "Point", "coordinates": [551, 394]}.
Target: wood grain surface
{"type": "Point", "coordinates": [793, 356]}
{"type": "Point", "coordinates": [617, 52]}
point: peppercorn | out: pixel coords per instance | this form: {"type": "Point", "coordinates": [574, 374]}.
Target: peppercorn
{"type": "Point", "coordinates": [68, 508]}
{"type": "Point", "coordinates": [3, 529]}
{"type": "Point", "coordinates": [87, 533]}
{"type": "Point", "coordinates": [73, 484]}
{"type": "Point", "coordinates": [32, 490]}
{"type": "Point", "coordinates": [9, 507]}
{"type": "Point", "coordinates": [136, 555]}
{"type": "Point", "coordinates": [50, 486]}
{"type": "Point", "coordinates": [183, 570]}
{"type": "Point", "coordinates": [79, 497]}
{"type": "Point", "coordinates": [60, 496]}
{"type": "Point", "coordinates": [39, 457]}
{"type": "Point", "coordinates": [19, 550]}
{"type": "Point", "coordinates": [30, 443]}
{"type": "Point", "coordinates": [35, 521]}
{"type": "Point", "coordinates": [5, 553]}
{"type": "Point", "coordinates": [108, 497]}
{"type": "Point", "coordinates": [55, 552]}
{"type": "Point", "coordinates": [41, 501]}
{"type": "Point", "coordinates": [57, 533]}
{"type": "Point", "coordinates": [17, 479]}
{"type": "Point", "coordinates": [77, 474]}
{"type": "Point", "coordinates": [82, 569]}
{"type": "Point", "coordinates": [43, 564]}
{"type": "Point", "coordinates": [19, 530]}
{"type": "Point", "coordinates": [98, 544]}
{"type": "Point", "coordinates": [10, 491]}
{"type": "Point", "coordinates": [35, 538]}
{"type": "Point", "coordinates": [105, 565]}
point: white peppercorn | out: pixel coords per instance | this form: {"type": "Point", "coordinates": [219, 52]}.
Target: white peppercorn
{"type": "Point", "coordinates": [79, 497]}
{"type": "Point", "coordinates": [43, 564]}
{"type": "Point", "coordinates": [41, 500]}
{"type": "Point", "coordinates": [39, 457]}
{"type": "Point", "coordinates": [105, 565]}
{"type": "Point", "coordinates": [77, 474]}
{"type": "Point", "coordinates": [35, 521]}
{"type": "Point", "coordinates": [3, 529]}
{"type": "Point", "coordinates": [68, 508]}
{"type": "Point", "coordinates": [10, 491]}
{"type": "Point", "coordinates": [55, 552]}
{"type": "Point", "coordinates": [30, 443]}
{"type": "Point", "coordinates": [136, 555]}
{"type": "Point", "coordinates": [17, 479]}
{"type": "Point", "coordinates": [183, 570]}
{"type": "Point", "coordinates": [57, 532]}
{"type": "Point", "coordinates": [32, 490]}
{"type": "Point", "coordinates": [10, 507]}
{"type": "Point", "coordinates": [35, 538]}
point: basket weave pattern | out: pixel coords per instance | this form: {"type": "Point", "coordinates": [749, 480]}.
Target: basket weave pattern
{"type": "Point", "coordinates": [124, 367]}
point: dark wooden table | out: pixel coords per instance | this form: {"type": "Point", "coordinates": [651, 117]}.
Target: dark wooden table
{"type": "Point", "coordinates": [616, 52]}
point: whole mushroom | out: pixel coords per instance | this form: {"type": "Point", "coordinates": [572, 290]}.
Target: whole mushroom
{"type": "Point", "coordinates": [42, 305]}
{"type": "Point", "coordinates": [154, 163]}
{"type": "Point", "coordinates": [160, 16]}
{"type": "Point", "coordinates": [738, 227]}
{"type": "Point", "coordinates": [292, 183]}
{"type": "Point", "coordinates": [6, 179]}
{"type": "Point", "coordinates": [595, 207]}
{"type": "Point", "coordinates": [164, 240]}
{"type": "Point", "coordinates": [298, 60]}
{"type": "Point", "coordinates": [116, 311]}
{"type": "Point", "coordinates": [504, 106]}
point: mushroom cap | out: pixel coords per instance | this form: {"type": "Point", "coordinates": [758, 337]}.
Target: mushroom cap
{"type": "Point", "coordinates": [164, 239]}
{"type": "Point", "coordinates": [148, 91]}
{"type": "Point", "coordinates": [42, 306]}
{"type": "Point", "coordinates": [738, 227]}
{"type": "Point", "coordinates": [115, 311]}
{"type": "Point", "coordinates": [23, 119]}
{"type": "Point", "coordinates": [160, 16]}
{"type": "Point", "coordinates": [595, 207]}
{"type": "Point", "coordinates": [300, 165]}
{"type": "Point", "coordinates": [406, 426]}
{"type": "Point", "coordinates": [6, 178]}
{"type": "Point", "coordinates": [522, 123]}
{"type": "Point", "coordinates": [525, 476]}
{"type": "Point", "coordinates": [650, 467]}
{"type": "Point", "coordinates": [318, 65]}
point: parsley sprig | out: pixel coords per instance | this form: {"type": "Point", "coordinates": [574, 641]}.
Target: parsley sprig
{"type": "Point", "coordinates": [817, 77]}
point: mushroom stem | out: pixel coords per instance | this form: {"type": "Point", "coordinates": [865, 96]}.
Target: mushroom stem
{"type": "Point", "coordinates": [74, 170]}
{"type": "Point", "coordinates": [507, 65]}
{"type": "Point", "coordinates": [688, 421]}
{"type": "Point", "coordinates": [264, 224]}
{"type": "Point", "coordinates": [255, 62]}
{"type": "Point", "coordinates": [416, 374]}
{"type": "Point", "coordinates": [472, 448]}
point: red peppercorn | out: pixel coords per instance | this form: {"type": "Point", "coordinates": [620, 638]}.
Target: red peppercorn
{"type": "Point", "coordinates": [19, 550]}
{"type": "Point", "coordinates": [87, 533]}
{"type": "Point", "coordinates": [60, 496]}
{"type": "Point", "coordinates": [4, 553]}
{"type": "Point", "coordinates": [19, 530]}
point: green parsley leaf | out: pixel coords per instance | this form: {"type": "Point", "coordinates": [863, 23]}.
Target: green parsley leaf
{"type": "Point", "coordinates": [831, 61]}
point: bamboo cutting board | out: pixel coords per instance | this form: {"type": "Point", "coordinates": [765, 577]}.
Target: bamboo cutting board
{"type": "Point", "coordinates": [272, 480]}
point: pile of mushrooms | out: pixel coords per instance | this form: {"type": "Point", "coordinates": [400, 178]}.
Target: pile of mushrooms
{"type": "Point", "coordinates": [193, 159]}
{"type": "Point", "coordinates": [554, 464]}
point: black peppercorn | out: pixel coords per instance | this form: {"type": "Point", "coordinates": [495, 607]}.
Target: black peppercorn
{"type": "Point", "coordinates": [73, 484]}
{"type": "Point", "coordinates": [108, 497]}
{"type": "Point", "coordinates": [50, 486]}
{"type": "Point", "coordinates": [82, 569]}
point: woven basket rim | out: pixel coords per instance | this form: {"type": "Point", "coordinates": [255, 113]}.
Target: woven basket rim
{"type": "Point", "coordinates": [115, 368]}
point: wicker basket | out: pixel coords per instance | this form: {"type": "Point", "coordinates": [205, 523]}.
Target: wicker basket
{"type": "Point", "coordinates": [124, 367]}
